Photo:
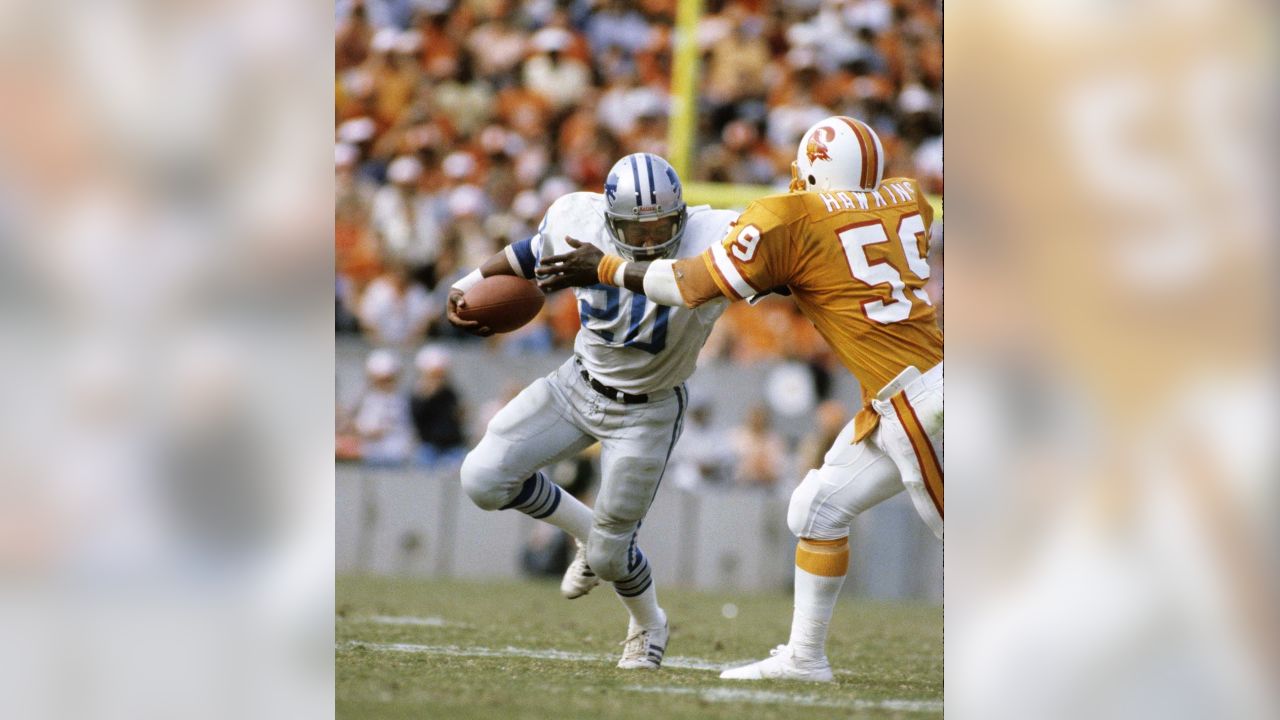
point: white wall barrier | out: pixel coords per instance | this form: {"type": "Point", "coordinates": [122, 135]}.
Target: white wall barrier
{"type": "Point", "coordinates": [407, 522]}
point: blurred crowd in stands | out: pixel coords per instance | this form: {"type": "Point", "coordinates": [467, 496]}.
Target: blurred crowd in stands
{"type": "Point", "coordinates": [458, 122]}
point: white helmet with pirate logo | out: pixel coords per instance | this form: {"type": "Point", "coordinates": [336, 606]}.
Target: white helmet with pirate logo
{"type": "Point", "coordinates": [644, 207]}
{"type": "Point", "coordinates": [839, 153]}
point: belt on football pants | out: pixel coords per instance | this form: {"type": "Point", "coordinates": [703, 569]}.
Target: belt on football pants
{"type": "Point", "coordinates": [612, 393]}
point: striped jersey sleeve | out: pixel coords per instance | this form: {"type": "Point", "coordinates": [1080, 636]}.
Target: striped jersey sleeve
{"type": "Point", "coordinates": [754, 257]}
{"type": "Point", "coordinates": [525, 254]}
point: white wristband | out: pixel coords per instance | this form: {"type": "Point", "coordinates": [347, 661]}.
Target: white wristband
{"type": "Point", "coordinates": [619, 274]}
{"type": "Point", "coordinates": [469, 281]}
{"type": "Point", "coordinates": [660, 284]}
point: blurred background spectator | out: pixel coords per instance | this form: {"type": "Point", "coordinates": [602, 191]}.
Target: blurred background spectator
{"type": "Point", "coordinates": [395, 310]}
{"type": "Point", "coordinates": [377, 430]}
{"type": "Point", "coordinates": [760, 452]}
{"type": "Point", "coordinates": [437, 413]}
{"type": "Point", "coordinates": [703, 459]}
{"type": "Point", "coordinates": [403, 220]}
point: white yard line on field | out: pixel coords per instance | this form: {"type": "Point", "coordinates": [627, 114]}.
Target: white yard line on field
{"type": "Point", "coordinates": [565, 655]}
{"type": "Point", "coordinates": [738, 694]}
{"type": "Point", "coordinates": [430, 621]}
{"type": "Point", "coordinates": [683, 663]}
{"type": "Point", "coordinates": [715, 694]}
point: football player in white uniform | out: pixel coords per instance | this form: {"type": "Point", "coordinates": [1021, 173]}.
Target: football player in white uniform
{"type": "Point", "coordinates": [624, 386]}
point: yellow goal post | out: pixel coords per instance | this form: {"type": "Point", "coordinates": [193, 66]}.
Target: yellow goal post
{"type": "Point", "coordinates": [682, 125]}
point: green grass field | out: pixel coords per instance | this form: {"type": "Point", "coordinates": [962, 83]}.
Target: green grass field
{"type": "Point", "coordinates": [437, 649]}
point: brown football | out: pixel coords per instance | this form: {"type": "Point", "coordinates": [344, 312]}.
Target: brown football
{"type": "Point", "coordinates": [502, 302]}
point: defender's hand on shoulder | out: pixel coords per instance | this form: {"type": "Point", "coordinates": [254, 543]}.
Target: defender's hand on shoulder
{"type": "Point", "coordinates": [571, 269]}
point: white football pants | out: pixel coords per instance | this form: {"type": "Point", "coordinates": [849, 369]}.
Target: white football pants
{"type": "Point", "coordinates": [904, 451]}
{"type": "Point", "coordinates": [555, 418]}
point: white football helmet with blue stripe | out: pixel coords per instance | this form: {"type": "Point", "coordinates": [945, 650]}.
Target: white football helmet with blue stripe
{"type": "Point", "coordinates": [644, 207]}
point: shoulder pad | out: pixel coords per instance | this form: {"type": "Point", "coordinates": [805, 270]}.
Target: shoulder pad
{"type": "Point", "coordinates": [706, 227]}
{"type": "Point", "coordinates": [573, 205]}
{"type": "Point", "coordinates": [579, 215]}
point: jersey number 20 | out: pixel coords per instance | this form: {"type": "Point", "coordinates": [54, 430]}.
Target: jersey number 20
{"type": "Point", "coordinates": [609, 313]}
{"type": "Point", "coordinates": [857, 238]}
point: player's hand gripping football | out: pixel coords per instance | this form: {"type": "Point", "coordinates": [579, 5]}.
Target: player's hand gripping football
{"type": "Point", "coordinates": [455, 303]}
{"type": "Point", "coordinates": [572, 269]}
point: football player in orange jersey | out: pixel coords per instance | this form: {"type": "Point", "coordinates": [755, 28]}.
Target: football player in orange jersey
{"type": "Point", "coordinates": [850, 246]}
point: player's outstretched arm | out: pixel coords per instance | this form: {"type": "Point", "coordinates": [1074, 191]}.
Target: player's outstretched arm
{"type": "Point", "coordinates": [497, 264]}
{"type": "Point", "coordinates": [678, 283]}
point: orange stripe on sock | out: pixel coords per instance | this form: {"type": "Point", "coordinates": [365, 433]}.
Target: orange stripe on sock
{"type": "Point", "coordinates": [828, 558]}
{"type": "Point", "coordinates": [930, 468]}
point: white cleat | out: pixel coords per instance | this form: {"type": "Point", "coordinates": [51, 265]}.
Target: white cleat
{"type": "Point", "coordinates": [578, 579]}
{"type": "Point", "coordinates": [782, 664]}
{"type": "Point", "coordinates": [643, 649]}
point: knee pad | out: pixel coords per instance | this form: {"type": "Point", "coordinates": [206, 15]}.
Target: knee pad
{"type": "Point", "coordinates": [484, 482]}
{"type": "Point", "coordinates": [798, 510]}
{"type": "Point", "coordinates": [609, 555]}
{"type": "Point", "coordinates": [809, 516]}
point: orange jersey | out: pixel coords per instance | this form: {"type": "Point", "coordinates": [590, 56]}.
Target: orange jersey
{"type": "Point", "coordinates": [856, 264]}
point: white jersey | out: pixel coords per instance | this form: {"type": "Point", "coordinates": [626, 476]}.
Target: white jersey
{"type": "Point", "coordinates": [627, 341]}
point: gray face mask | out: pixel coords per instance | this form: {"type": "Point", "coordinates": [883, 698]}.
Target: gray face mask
{"type": "Point", "coordinates": [650, 239]}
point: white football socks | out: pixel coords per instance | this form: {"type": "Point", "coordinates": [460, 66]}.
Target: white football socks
{"type": "Point", "coordinates": [639, 595]}
{"type": "Point", "coordinates": [572, 516]}
{"type": "Point", "coordinates": [541, 499]}
{"type": "Point", "coordinates": [644, 609]}
{"type": "Point", "coordinates": [815, 602]}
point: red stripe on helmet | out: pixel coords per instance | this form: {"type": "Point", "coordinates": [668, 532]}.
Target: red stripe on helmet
{"type": "Point", "coordinates": [870, 158]}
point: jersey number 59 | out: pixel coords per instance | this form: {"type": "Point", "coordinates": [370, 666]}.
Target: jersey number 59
{"type": "Point", "coordinates": [857, 238]}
